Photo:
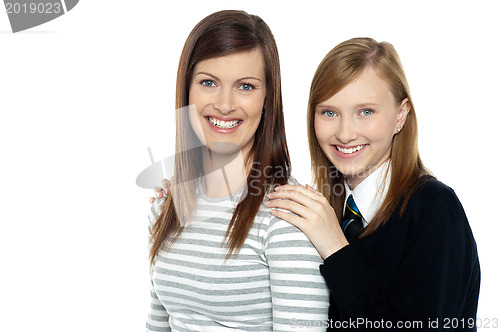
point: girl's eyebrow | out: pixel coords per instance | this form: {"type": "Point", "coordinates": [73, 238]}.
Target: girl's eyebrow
{"type": "Point", "coordinates": [361, 105]}
{"type": "Point", "coordinates": [365, 105]}
{"type": "Point", "coordinates": [324, 106]}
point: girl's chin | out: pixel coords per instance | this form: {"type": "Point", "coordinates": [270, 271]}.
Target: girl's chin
{"type": "Point", "coordinates": [353, 173]}
{"type": "Point", "coordinates": [350, 169]}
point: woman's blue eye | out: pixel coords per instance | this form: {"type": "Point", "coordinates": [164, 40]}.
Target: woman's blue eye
{"type": "Point", "coordinates": [366, 112]}
{"type": "Point", "coordinates": [246, 87]}
{"type": "Point", "coordinates": [208, 83]}
{"type": "Point", "coordinates": [329, 114]}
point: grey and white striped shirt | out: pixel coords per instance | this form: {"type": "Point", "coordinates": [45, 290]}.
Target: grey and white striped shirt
{"type": "Point", "coordinates": [273, 284]}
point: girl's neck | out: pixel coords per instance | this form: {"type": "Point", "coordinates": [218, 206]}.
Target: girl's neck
{"type": "Point", "coordinates": [354, 180]}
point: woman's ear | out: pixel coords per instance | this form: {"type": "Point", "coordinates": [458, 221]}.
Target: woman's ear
{"type": "Point", "coordinates": [404, 109]}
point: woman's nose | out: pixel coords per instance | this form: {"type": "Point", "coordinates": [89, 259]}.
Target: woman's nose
{"type": "Point", "coordinates": [225, 101]}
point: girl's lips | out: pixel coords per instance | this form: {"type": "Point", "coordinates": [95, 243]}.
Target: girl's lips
{"type": "Point", "coordinates": [349, 152]}
{"type": "Point", "coordinates": [223, 126]}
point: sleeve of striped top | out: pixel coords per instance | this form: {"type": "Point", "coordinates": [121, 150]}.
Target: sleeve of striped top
{"type": "Point", "coordinates": [300, 297]}
{"type": "Point", "coordinates": [157, 316]}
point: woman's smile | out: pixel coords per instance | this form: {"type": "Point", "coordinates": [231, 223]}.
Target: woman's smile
{"type": "Point", "coordinates": [223, 125]}
{"type": "Point", "coordinates": [228, 93]}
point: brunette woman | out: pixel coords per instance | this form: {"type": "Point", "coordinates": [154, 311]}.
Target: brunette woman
{"type": "Point", "coordinates": [219, 260]}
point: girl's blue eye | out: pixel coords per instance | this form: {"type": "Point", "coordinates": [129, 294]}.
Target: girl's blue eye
{"type": "Point", "coordinates": [366, 112]}
{"type": "Point", "coordinates": [246, 87]}
{"type": "Point", "coordinates": [208, 83]}
{"type": "Point", "coordinates": [329, 114]}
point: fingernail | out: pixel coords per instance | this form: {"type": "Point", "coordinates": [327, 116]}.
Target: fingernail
{"type": "Point", "coordinates": [158, 194]}
{"type": "Point", "coordinates": [151, 199]}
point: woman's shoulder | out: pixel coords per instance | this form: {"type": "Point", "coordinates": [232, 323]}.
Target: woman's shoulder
{"type": "Point", "coordinates": [155, 210]}
{"type": "Point", "coordinates": [275, 225]}
{"type": "Point", "coordinates": [292, 180]}
{"type": "Point", "coordinates": [269, 218]}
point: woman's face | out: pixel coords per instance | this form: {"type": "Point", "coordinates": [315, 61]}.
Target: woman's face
{"type": "Point", "coordinates": [355, 127]}
{"type": "Point", "coordinates": [228, 93]}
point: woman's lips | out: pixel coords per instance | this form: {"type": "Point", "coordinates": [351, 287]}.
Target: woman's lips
{"type": "Point", "coordinates": [223, 125]}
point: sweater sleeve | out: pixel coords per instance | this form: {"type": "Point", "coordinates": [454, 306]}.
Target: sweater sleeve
{"type": "Point", "coordinates": [299, 295]}
{"type": "Point", "coordinates": [436, 283]}
{"type": "Point", "coordinates": [158, 318]}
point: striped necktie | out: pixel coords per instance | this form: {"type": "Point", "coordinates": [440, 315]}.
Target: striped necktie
{"type": "Point", "coordinates": [352, 226]}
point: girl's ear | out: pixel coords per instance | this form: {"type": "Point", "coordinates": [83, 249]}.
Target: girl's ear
{"type": "Point", "coordinates": [404, 109]}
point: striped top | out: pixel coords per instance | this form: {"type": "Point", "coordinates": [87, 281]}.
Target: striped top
{"type": "Point", "coordinates": [273, 284]}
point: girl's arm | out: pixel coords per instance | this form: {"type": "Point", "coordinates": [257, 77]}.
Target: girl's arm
{"type": "Point", "coordinates": [312, 213]}
{"type": "Point", "coordinates": [436, 279]}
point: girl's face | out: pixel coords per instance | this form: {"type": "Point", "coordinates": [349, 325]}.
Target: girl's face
{"type": "Point", "coordinates": [228, 93]}
{"type": "Point", "coordinates": [356, 126]}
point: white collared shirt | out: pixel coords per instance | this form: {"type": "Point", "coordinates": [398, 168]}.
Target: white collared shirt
{"type": "Point", "coordinates": [371, 192]}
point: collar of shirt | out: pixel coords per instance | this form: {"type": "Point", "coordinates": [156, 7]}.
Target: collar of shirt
{"type": "Point", "coordinates": [371, 192]}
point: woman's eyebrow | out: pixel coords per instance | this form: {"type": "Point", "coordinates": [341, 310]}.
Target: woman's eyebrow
{"type": "Point", "coordinates": [250, 78]}
{"type": "Point", "coordinates": [217, 79]}
{"type": "Point", "coordinates": [208, 74]}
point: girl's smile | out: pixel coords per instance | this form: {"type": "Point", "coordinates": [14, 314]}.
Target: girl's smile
{"type": "Point", "coordinates": [355, 127]}
{"type": "Point", "coordinates": [348, 151]}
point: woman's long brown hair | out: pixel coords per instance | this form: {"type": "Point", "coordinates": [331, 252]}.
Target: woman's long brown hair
{"type": "Point", "coordinates": [219, 34]}
{"type": "Point", "coordinates": [341, 66]}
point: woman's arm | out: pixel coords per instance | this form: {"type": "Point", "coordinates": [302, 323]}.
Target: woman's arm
{"type": "Point", "coordinates": [299, 294]}
{"type": "Point", "coordinates": [158, 318]}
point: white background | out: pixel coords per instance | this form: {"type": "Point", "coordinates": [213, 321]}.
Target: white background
{"type": "Point", "coordinates": [83, 96]}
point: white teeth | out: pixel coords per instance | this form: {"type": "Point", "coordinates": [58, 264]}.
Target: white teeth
{"type": "Point", "coordinates": [350, 150]}
{"type": "Point", "coordinates": [223, 124]}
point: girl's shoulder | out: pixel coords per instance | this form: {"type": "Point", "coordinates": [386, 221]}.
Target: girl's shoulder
{"type": "Point", "coordinates": [434, 205]}
{"type": "Point", "coordinates": [434, 192]}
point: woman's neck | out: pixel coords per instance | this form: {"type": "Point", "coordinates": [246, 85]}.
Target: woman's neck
{"type": "Point", "coordinates": [224, 174]}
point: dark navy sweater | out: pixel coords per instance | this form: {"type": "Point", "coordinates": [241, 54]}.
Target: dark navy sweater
{"type": "Point", "coordinates": [419, 271]}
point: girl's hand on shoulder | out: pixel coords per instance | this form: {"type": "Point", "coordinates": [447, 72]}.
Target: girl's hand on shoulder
{"type": "Point", "coordinates": [313, 214]}
{"type": "Point", "coordinates": [162, 191]}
